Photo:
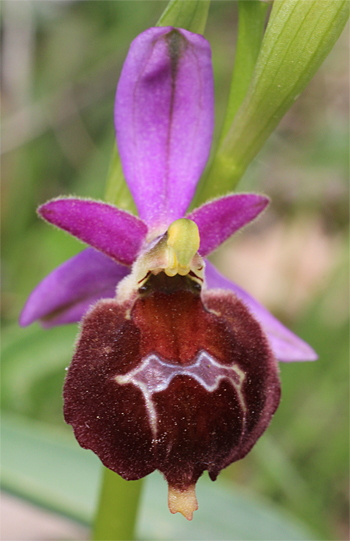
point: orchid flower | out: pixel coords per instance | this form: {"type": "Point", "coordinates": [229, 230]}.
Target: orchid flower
{"type": "Point", "coordinates": [176, 367]}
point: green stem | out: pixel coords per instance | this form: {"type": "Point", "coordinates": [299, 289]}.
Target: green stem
{"type": "Point", "coordinates": [116, 515]}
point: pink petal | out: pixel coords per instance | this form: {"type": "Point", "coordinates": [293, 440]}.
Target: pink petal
{"type": "Point", "coordinates": [114, 232]}
{"type": "Point", "coordinates": [286, 346]}
{"type": "Point", "coordinates": [164, 117]}
{"type": "Point", "coordinates": [219, 219]}
{"type": "Point", "coordinates": [66, 294]}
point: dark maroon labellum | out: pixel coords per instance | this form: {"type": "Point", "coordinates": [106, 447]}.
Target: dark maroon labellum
{"type": "Point", "coordinates": [181, 381]}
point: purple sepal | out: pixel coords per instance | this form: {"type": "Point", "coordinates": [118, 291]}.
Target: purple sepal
{"type": "Point", "coordinates": [66, 294]}
{"type": "Point", "coordinates": [286, 346]}
{"type": "Point", "coordinates": [114, 232]}
{"type": "Point", "coordinates": [164, 118]}
{"type": "Point", "coordinates": [219, 219]}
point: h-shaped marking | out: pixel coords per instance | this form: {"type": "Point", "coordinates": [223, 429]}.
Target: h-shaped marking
{"type": "Point", "coordinates": [154, 375]}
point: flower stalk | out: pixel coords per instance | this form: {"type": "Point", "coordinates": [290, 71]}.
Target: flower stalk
{"type": "Point", "coordinates": [117, 509]}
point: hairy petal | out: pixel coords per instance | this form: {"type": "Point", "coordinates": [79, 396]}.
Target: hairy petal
{"type": "Point", "coordinates": [219, 219]}
{"type": "Point", "coordinates": [66, 294]}
{"type": "Point", "coordinates": [286, 346]}
{"type": "Point", "coordinates": [164, 117]}
{"type": "Point", "coordinates": [114, 232]}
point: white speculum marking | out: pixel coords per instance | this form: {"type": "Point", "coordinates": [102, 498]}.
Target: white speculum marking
{"type": "Point", "coordinates": [154, 375]}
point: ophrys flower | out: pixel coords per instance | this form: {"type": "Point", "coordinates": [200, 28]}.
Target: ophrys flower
{"type": "Point", "coordinates": [176, 370]}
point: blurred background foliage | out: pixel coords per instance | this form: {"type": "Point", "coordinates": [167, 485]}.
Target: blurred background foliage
{"type": "Point", "coordinates": [61, 63]}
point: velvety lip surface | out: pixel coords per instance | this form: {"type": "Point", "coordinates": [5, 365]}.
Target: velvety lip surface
{"type": "Point", "coordinates": [182, 383]}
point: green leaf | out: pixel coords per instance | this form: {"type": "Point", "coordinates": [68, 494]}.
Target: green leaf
{"type": "Point", "coordinates": [298, 38]}
{"type": "Point", "coordinates": [251, 22]}
{"type": "Point", "coordinates": [190, 15]}
{"type": "Point", "coordinates": [44, 464]}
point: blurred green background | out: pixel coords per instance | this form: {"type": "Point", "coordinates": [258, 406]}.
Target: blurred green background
{"type": "Point", "coordinates": [61, 63]}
